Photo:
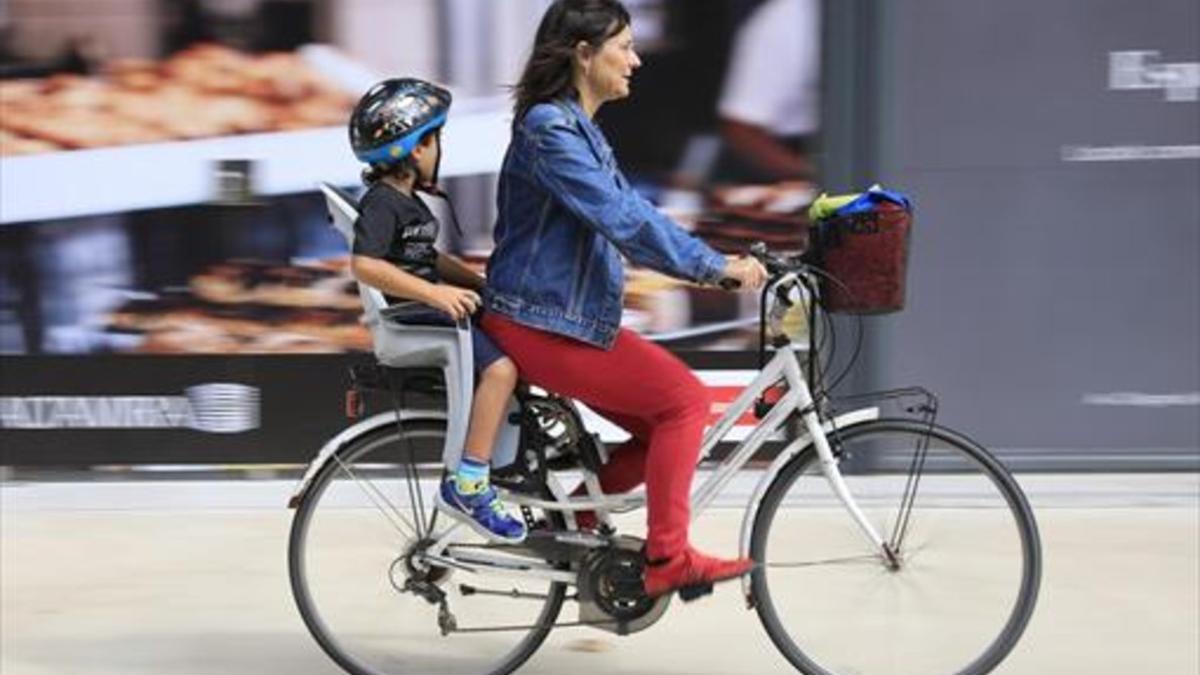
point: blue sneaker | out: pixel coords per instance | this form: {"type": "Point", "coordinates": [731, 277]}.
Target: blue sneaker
{"type": "Point", "coordinates": [482, 512]}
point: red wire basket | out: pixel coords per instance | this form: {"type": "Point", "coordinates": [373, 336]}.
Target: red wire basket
{"type": "Point", "coordinates": [866, 256]}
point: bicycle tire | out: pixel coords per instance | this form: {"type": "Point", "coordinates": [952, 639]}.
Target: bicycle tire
{"type": "Point", "coordinates": [432, 432]}
{"type": "Point", "coordinates": [864, 647]}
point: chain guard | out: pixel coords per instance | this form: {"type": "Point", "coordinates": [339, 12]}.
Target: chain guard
{"type": "Point", "coordinates": [611, 595]}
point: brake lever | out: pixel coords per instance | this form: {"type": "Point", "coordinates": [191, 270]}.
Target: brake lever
{"type": "Point", "coordinates": [775, 264]}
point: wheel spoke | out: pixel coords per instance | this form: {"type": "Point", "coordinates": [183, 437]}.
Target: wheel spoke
{"type": "Point", "coordinates": [381, 502]}
{"type": "Point", "coordinates": [864, 558]}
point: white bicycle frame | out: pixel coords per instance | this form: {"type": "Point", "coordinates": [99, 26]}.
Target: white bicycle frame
{"type": "Point", "coordinates": [785, 366]}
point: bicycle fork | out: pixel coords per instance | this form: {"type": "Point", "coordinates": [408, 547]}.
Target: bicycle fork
{"type": "Point", "coordinates": [829, 467]}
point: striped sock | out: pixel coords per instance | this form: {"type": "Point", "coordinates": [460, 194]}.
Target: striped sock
{"type": "Point", "coordinates": [471, 477]}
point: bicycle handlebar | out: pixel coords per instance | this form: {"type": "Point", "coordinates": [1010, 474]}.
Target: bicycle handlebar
{"type": "Point", "coordinates": [777, 265]}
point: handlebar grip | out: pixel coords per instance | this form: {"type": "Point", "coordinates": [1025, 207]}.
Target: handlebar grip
{"type": "Point", "coordinates": [729, 284]}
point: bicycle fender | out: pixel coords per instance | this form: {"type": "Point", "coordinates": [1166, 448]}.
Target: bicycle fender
{"type": "Point", "coordinates": [350, 433]}
{"type": "Point", "coordinates": [760, 489]}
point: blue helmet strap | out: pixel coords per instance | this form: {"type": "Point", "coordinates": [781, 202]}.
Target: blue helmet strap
{"type": "Point", "coordinates": [453, 214]}
{"type": "Point", "coordinates": [432, 187]}
{"type": "Point", "coordinates": [437, 166]}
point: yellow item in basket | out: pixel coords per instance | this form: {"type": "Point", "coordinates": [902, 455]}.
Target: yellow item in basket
{"type": "Point", "coordinates": [826, 205]}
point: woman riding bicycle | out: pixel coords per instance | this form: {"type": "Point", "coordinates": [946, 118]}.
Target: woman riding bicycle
{"type": "Point", "coordinates": [555, 279]}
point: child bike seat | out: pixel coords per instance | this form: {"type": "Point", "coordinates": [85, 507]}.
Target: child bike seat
{"type": "Point", "coordinates": [401, 345]}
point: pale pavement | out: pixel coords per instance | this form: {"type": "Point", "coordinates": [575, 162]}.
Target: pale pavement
{"type": "Point", "coordinates": [189, 577]}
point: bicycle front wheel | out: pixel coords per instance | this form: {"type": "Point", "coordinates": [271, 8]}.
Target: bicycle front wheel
{"type": "Point", "coordinates": [955, 594]}
{"type": "Point", "coordinates": [372, 605]}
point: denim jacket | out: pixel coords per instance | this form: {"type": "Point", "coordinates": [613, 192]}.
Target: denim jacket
{"type": "Point", "coordinates": [566, 215]}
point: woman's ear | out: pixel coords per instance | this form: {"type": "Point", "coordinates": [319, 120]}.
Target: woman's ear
{"type": "Point", "coordinates": [583, 55]}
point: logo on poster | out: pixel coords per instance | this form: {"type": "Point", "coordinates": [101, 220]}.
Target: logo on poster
{"type": "Point", "coordinates": [218, 407]}
{"type": "Point", "coordinates": [1141, 70]}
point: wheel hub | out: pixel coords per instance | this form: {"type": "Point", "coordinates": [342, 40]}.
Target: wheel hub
{"type": "Point", "coordinates": [409, 573]}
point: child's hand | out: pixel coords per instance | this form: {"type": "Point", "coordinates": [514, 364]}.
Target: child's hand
{"type": "Point", "coordinates": [457, 302]}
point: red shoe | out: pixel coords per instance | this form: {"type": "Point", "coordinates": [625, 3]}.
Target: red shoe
{"type": "Point", "coordinates": [691, 573]}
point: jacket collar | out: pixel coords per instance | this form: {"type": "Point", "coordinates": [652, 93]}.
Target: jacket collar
{"type": "Point", "coordinates": [591, 132]}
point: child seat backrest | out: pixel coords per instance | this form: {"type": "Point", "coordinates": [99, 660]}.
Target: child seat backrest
{"type": "Point", "coordinates": [343, 211]}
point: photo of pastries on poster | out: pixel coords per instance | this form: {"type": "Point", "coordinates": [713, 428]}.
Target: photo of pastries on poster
{"type": "Point", "coordinates": [274, 278]}
{"type": "Point", "coordinates": [204, 91]}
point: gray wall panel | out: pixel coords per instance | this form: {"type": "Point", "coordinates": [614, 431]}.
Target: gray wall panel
{"type": "Point", "coordinates": [988, 84]}
{"type": "Point", "coordinates": [1034, 281]}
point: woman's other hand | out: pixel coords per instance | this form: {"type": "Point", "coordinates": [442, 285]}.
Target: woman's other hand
{"type": "Point", "coordinates": [457, 302]}
{"type": "Point", "coordinates": [746, 271]}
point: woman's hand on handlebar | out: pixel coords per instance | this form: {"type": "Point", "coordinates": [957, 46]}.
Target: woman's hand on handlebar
{"type": "Point", "coordinates": [743, 272]}
{"type": "Point", "coordinates": [457, 302]}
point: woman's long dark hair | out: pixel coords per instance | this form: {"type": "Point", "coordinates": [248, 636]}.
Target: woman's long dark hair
{"type": "Point", "coordinates": [547, 73]}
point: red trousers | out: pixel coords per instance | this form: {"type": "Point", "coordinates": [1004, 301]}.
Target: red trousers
{"type": "Point", "coordinates": [640, 387]}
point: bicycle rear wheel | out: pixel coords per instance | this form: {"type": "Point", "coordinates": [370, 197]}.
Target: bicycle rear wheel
{"type": "Point", "coordinates": [967, 562]}
{"type": "Point", "coordinates": [349, 567]}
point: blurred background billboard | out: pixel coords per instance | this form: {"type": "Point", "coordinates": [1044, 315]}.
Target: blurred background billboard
{"type": "Point", "coordinates": [160, 229]}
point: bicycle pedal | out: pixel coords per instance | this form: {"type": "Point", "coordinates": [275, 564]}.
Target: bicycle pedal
{"type": "Point", "coordinates": [695, 592]}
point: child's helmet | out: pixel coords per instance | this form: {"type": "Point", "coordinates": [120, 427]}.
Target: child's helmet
{"type": "Point", "coordinates": [393, 116]}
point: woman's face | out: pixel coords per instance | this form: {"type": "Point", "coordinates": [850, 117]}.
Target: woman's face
{"type": "Point", "coordinates": [606, 72]}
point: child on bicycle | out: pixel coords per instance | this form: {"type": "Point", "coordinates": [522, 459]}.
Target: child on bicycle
{"type": "Point", "coordinates": [395, 129]}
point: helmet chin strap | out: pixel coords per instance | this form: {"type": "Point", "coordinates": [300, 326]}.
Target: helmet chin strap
{"type": "Point", "coordinates": [432, 185]}
{"type": "Point", "coordinates": [432, 188]}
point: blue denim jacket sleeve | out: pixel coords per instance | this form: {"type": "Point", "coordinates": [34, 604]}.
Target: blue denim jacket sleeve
{"type": "Point", "coordinates": [568, 169]}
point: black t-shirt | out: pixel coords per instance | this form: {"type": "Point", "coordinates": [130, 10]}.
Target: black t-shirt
{"type": "Point", "coordinates": [399, 229]}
